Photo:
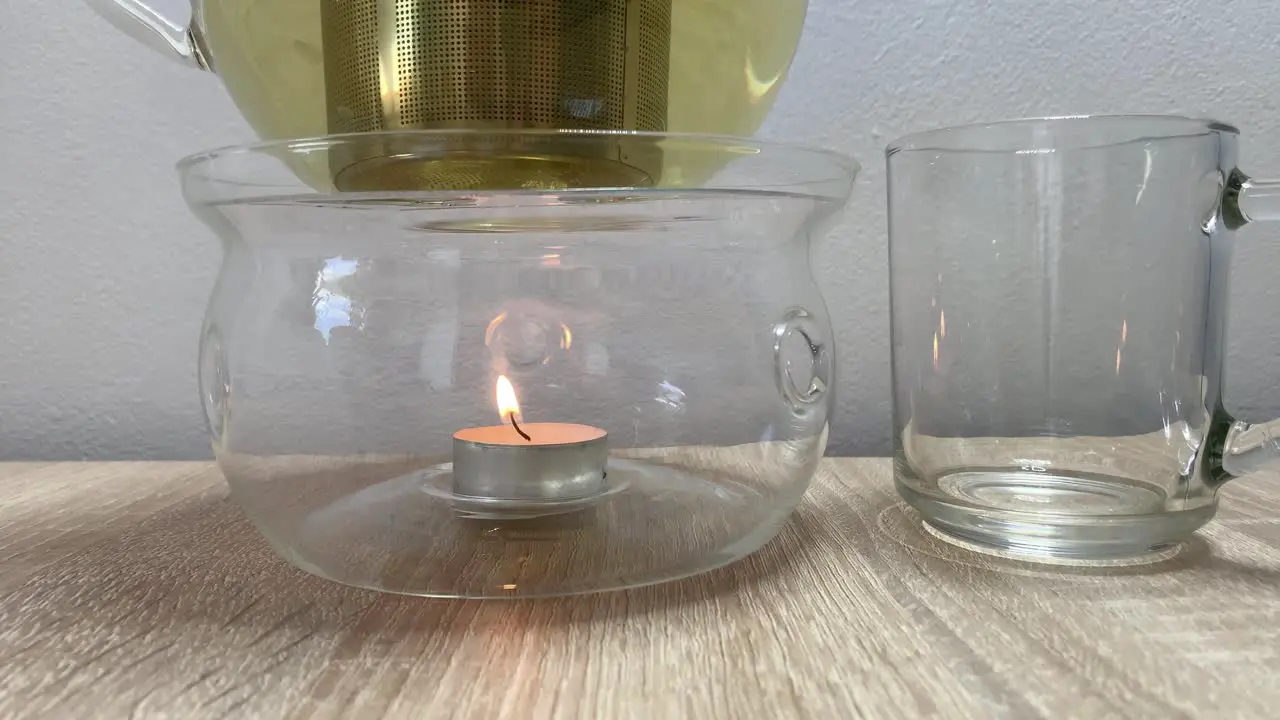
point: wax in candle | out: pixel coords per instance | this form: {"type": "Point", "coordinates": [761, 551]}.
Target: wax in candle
{"type": "Point", "coordinates": [540, 434]}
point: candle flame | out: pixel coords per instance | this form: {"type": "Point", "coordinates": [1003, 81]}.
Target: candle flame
{"type": "Point", "coordinates": [507, 404]}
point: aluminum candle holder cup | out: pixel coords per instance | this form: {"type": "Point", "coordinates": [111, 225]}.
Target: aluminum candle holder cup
{"type": "Point", "coordinates": [506, 472]}
{"type": "Point", "coordinates": [517, 393]}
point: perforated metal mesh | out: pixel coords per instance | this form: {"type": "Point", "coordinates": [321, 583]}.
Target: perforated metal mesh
{"type": "Point", "coordinates": [352, 79]}
{"type": "Point", "coordinates": [432, 64]}
{"type": "Point", "coordinates": [583, 64]}
{"type": "Point", "coordinates": [655, 59]}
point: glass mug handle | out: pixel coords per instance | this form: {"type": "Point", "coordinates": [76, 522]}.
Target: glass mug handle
{"type": "Point", "coordinates": [1250, 446]}
{"type": "Point", "coordinates": [143, 23]}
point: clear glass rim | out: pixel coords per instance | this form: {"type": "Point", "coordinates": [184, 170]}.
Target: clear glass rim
{"type": "Point", "coordinates": [1156, 126]}
{"type": "Point", "coordinates": [830, 165]}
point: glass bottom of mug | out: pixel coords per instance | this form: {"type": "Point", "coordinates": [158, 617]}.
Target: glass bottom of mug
{"type": "Point", "coordinates": [1055, 517]}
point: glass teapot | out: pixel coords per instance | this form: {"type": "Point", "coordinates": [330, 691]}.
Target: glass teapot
{"type": "Point", "coordinates": [304, 68]}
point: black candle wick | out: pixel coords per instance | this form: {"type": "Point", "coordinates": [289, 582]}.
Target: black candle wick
{"type": "Point", "coordinates": [516, 425]}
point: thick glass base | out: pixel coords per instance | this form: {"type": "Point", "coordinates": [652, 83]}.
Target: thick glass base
{"type": "Point", "coordinates": [1066, 518]}
{"type": "Point", "coordinates": [406, 531]}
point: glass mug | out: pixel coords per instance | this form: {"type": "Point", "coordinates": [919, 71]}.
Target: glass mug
{"type": "Point", "coordinates": [1058, 297]}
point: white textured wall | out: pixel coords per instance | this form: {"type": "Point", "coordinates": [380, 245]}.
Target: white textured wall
{"type": "Point", "coordinates": [104, 275]}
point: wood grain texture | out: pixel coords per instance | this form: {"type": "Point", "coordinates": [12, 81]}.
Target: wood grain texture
{"type": "Point", "coordinates": [140, 590]}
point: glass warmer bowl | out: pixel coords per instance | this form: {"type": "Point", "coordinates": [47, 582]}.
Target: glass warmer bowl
{"type": "Point", "coordinates": [535, 386]}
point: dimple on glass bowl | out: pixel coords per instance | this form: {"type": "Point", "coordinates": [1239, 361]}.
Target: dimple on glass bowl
{"type": "Point", "coordinates": [532, 387]}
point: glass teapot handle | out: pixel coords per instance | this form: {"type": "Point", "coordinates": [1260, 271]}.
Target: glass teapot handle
{"type": "Point", "coordinates": [143, 23]}
{"type": "Point", "coordinates": [1250, 446]}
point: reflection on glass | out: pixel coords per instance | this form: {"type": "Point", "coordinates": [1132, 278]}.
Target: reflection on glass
{"type": "Point", "coordinates": [334, 309]}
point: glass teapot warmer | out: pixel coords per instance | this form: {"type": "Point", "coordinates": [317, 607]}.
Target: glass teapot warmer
{"type": "Point", "coordinates": [520, 392]}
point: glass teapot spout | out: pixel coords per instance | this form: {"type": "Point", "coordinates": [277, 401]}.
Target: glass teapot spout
{"type": "Point", "coordinates": [143, 23]}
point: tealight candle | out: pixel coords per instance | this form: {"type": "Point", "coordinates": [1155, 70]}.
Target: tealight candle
{"type": "Point", "coordinates": [533, 462]}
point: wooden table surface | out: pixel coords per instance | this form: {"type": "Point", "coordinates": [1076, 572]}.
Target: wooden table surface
{"type": "Point", "coordinates": [140, 590]}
